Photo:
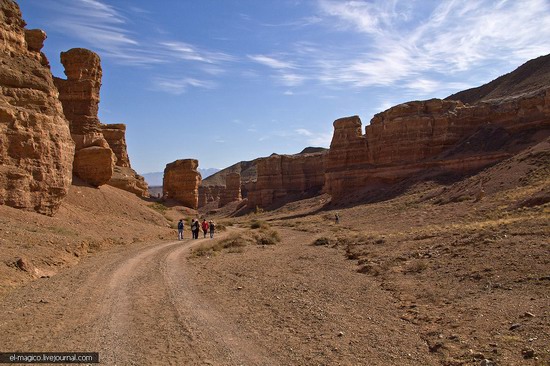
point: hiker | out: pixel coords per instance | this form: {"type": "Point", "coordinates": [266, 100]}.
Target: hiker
{"type": "Point", "coordinates": [204, 227]}
{"type": "Point", "coordinates": [336, 217]}
{"type": "Point", "coordinates": [212, 227]}
{"type": "Point", "coordinates": [196, 229]}
{"type": "Point", "coordinates": [180, 229]}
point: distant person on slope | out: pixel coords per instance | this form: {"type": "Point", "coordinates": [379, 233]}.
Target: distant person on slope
{"type": "Point", "coordinates": [180, 229]}
{"type": "Point", "coordinates": [212, 228]}
{"type": "Point", "coordinates": [204, 227]}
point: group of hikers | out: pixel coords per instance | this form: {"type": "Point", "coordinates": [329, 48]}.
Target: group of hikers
{"type": "Point", "coordinates": [196, 226]}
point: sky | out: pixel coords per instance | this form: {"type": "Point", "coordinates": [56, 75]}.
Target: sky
{"type": "Point", "coordinates": [223, 81]}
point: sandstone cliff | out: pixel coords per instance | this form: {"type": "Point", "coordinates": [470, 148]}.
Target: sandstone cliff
{"type": "Point", "coordinates": [442, 135]}
{"type": "Point", "coordinates": [124, 177]}
{"type": "Point", "coordinates": [232, 191]}
{"type": "Point", "coordinates": [209, 193]}
{"type": "Point", "coordinates": [181, 182]}
{"type": "Point", "coordinates": [284, 175]}
{"type": "Point", "coordinates": [36, 149]}
{"type": "Point", "coordinates": [94, 160]}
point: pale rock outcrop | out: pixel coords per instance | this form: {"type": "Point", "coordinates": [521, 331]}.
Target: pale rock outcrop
{"type": "Point", "coordinates": [36, 149]}
{"type": "Point", "coordinates": [79, 95]}
{"type": "Point", "coordinates": [181, 182]}
{"type": "Point", "coordinates": [232, 191]}
{"type": "Point", "coordinates": [443, 135]}
{"type": "Point", "coordinates": [282, 175]}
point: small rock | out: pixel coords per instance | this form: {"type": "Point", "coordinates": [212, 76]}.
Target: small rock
{"type": "Point", "coordinates": [435, 346]}
{"type": "Point", "coordinates": [528, 353]}
{"type": "Point", "coordinates": [528, 315]}
{"type": "Point", "coordinates": [486, 362]}
{"type": "Point", "coordinates": [515, 326]}
{"type": "Point", "coordinates": [23, 264]}
{"type": "Point", "coordinates": [239, 288]}
{"type": "Point", "coordinates": [340, 334]}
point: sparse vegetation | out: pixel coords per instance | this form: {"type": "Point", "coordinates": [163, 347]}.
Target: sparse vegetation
{"type": "Point", "coordinates": [159, 207]}
{"type": "Point", "coordinates": [321, 241]}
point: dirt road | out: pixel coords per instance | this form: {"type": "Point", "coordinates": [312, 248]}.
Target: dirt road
{"type": "Point", "coordinates": [143, 305]}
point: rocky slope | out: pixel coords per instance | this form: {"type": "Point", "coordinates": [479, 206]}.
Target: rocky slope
{"type": "Point", "coordinates": [36, 149]}
{"type": "Point", "coordinates": [528, 78]}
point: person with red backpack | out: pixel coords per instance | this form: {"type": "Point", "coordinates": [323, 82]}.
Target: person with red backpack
{"type": "Point", "coordinates": [204, 227]}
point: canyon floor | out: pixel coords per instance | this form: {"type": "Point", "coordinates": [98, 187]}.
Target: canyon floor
{"type": "Point", "coordinates": [428, 273]}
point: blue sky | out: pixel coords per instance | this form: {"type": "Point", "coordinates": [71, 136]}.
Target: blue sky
{"type": "Point", "coordinates": [229, 80]}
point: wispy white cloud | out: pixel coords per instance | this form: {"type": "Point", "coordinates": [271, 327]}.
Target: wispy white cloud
{"type": "Point", "coordinates": [180, 86]}
{"type": "Point", "coordinates": [454, 38]}
{"type": "Point", "coordinates": [271, 62]}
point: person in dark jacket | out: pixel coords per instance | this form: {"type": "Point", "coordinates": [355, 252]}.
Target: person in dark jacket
{"type": "Point", "coordinates": [180, 229]}
{"type": "Point", "coordinates": [196, 228]}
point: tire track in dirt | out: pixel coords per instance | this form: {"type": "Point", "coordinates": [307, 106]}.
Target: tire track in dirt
{"type": "Point", "coordinates": [134, 306]}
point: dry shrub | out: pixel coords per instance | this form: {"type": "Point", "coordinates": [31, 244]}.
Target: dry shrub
{"type": "Point", "coordinates": [266, 237]}
{"type": "Point", "coordinates": [321, 241]}
{"type": "Point", "coordinates": [416, 266]}
{"type": "Point", "coordinates": [258, 224]}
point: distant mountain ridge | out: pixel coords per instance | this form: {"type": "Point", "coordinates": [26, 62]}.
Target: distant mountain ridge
{"type": "Point", "coordinates": [154, 179]}
{"type": "Point", "coordinates": [530, 77]}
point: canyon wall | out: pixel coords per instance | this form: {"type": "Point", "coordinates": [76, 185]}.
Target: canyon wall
{"type": "Point", "coordinates": [232, 191]}
{"type": "Point", "coordinates": [181, 182]}
{"type": "Point", "coordinates": [209, 194]}
{"type": "Point", "coordinates": [443, 135]}
{"type": "Point", "coordinates": [94, 160]}
{"type": "Point", "coordinates": [281, 175]}
{"type": "Point", "coordinates": [36, 149]}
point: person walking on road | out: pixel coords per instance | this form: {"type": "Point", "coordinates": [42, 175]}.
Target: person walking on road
{"type": "Point", "coordinates": [204, 227]}
{"type": "Point", "coordinates": [212, 227]}
{"type": "Point", "coordinates": [180, 229]}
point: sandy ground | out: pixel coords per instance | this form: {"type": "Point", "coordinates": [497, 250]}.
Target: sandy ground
{"type": "Point", "coordinates": [436, 275]}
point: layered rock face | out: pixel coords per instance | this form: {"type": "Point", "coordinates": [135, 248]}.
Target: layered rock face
{"type": "Point", "coordinates": [94, 160]}
{"type": "Point", "coordinates": [232, 191]}
{"type": "Point", "coordinates": [124, 177]}
{"type": "Point", "coordinates": [181, 182]}
{"type": "Point", "coordinates": [282, 175]}
{"type": "Point", "coordinates": [115, 135]}
{"type": "Point", "coordinates": [209, 194]}
{"type": "Point", "coordinates": [36, 149]}
{"type": "Point", "coordinates": [432, 134]}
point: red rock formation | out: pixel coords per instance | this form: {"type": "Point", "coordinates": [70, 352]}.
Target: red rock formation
{"type": "Point", "coordinates": [283, 175]}
{"type": "Point", "coordinates": [232, 191]}
{"type": "Point", "coordinates": [79, 95]}
{"type": "Point", "coordinates": [209, 194]}
{"type": "Point", "coordinates": [124, 177]}
{"type": "Point", "coordinates": [115, 134]}
{"type": "Point", "coordinates": [181, 182]}
{"type": "Point", "coordinates": [127, 179]}
{"type": "Point", "coordinates": [36, 149]}
{"type": "Point", "coordinates": [416, 136]}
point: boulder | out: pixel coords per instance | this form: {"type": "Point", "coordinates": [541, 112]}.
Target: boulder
{"type": "Point", "coordinates": [36, 149]}
{"type": "Point", "coordinates": [94, 165]}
